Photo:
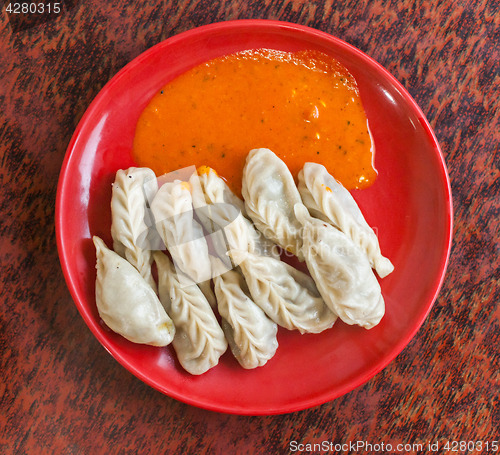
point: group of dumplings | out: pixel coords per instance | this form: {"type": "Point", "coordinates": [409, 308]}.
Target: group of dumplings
{"type": "Point", "coordinates": [215, 238]}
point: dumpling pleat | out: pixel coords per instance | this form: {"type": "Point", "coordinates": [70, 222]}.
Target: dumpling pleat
{"type": "Point", "coordinates": [129, 230]}
{"type": "Point", "coordinates": [328, 200]}
{"type": "Point", "coordinates": [199, 341]}
{"type": "Point", "coordinates": [250, 333]}
{"type": "Point", "coordinates": [270, 194]}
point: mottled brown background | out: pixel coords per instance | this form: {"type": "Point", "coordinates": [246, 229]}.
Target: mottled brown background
{"type": "Point", "coordinates": [60, 391]}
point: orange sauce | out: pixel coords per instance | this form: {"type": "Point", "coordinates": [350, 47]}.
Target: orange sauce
{"type": "Point", "coordinates": [304, 106]}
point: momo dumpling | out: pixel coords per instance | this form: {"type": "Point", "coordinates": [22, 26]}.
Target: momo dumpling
{"type": "Point", "coordinates": [270, 194]}
{"type": "Point", "coordinates": [227, 213]}
{"type": "Point", "coordinates": [127, 303]}
{"type": "Point", "coordinates": [184, 238]}
{"type": "Point", "coordinates": [341, 271]}
{"type": "Point", "coordinates": [199, 340]}
{"type": "Point", "coordinates": [222, 220]}
{"type": "Point", "coordinates": [288, 296]}
{"type": "Point", "coordinates": [328, 200]}
{"type": "Point", "coordinates": [216, 189]}
{"type": "Point", "coordinates": [250, 333]}
{"type": "Point", "coordinates": [132, 191]}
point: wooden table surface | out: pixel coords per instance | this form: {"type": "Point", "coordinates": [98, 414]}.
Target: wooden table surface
{"type": "Point", "coordinates": [62, 393]}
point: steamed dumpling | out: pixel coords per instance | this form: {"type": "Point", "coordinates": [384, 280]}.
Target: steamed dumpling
{"type": "Point", "coordinates": [288, 296]}
{"type": "Point", "coordinates": [227, 213]}
{"type": "Point", "coordinates": [184, 238]}
{"type": "Point", "coordinates": [270, 194]}
{"type": "Point", "coordinates": [250, 333]}
{"type": "Point", "coordinates": [127, 303]}
{"type": "Point", "coordinates": [328, 200]}
{"type": "Point", "coordinates": [216, 188]}
{"type": "Point", "coordinates": [199, 340]}
{"type": "Point", "coordinates": [341, 271]}
{"type": "Point", "coordinates": [132, 191]}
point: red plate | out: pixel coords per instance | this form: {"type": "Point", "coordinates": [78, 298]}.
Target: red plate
{"type": "Point", "coordinates": [409, 205]}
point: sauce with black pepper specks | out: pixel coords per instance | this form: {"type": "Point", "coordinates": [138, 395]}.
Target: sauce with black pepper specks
{"type": "Point", "coordinates": [304, 106]}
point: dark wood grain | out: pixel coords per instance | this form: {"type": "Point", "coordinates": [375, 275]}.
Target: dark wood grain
{"type": "Point", "coordinates": [60, 391]}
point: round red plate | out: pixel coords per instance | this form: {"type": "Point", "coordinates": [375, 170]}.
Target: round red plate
{"type": "Point", "coordinates": [409, 206]}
